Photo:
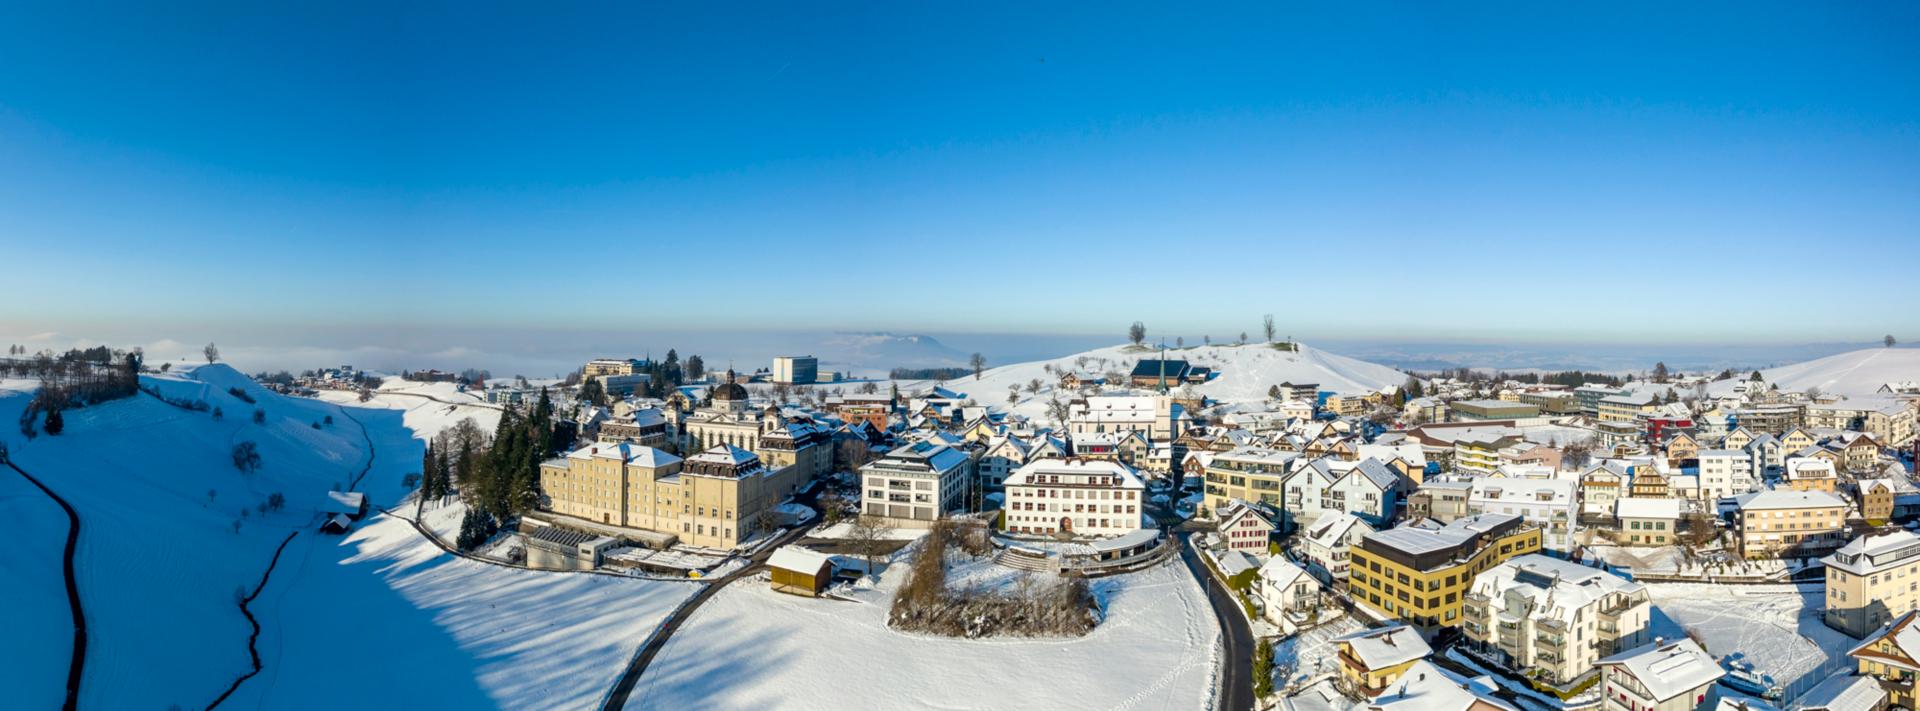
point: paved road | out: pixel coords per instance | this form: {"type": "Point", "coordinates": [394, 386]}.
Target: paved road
{"type": "Point", "coordinates": [658, 641]}
{"type": "Point", "coordinates": [79, 661]}
{"type": "Point", "coordinates": [1236, 671]}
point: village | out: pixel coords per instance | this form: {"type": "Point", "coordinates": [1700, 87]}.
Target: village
{"type": "Point", "coordinates": [1450, 540]}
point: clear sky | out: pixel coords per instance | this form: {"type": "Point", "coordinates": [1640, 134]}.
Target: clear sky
{"type": "Point", "coordinates": [1528, 171]}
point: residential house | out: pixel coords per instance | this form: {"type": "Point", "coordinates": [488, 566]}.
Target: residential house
{"type": "Point", "coordinates": [1547, 503]}
{"type": "Point", "coordinates": [1284, 589]}
{"type": "Point", "coordinates": [1662, 676]}
{"type": "Point", "coordinates": [1246, 528]}
{"type": "Point", "coordinates": [1647, 522]}
{"type": "Point", "coordinates": [1372, 659]}
{"type": "Point", "coordinates": [1875, 497]}
{"type": "Point", "coordinates": [1600, 486]}
{"type": "Point", "coordinates": [1252, 474]}
{"type": "Point", "coordinates": [1327, 546]}
{"type": "Point", "coordinates": [1442, 501]}
{"type": "Point", "coordinates": [1811, 473]}
{"type": "Point", "coordinates": [1425, 687]}
{"type": "Point", "coordinates": [1891, 656]}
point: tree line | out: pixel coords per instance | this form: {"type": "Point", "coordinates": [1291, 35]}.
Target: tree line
{"type": "Point", "coordinates": [497, 476]}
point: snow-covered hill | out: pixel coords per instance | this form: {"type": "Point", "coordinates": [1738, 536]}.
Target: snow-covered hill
{"type": "Point", "coordinates": [1245, 373]}
{"type": "Point", "coordinates": [381, 613]}
{"type": "Point", "coordinates": [1853, 374]}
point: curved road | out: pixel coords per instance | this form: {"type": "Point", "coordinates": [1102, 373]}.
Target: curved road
{"type": "Point", "coordinates": [1236, 670]}
{"type": "Point", "coordinates": [617, 700]}
{"type": "Point", "coordinates": [79, 660]}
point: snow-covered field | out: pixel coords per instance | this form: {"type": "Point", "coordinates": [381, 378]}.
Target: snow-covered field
{"type": "Point", "coordinates": [750, 647]}
{"type": "Point", "coordinates": [1776, 628]}
{"type": "Point", "coordinates": [1852, 374]}
{"type": "Point", "coordinates": [378, 614]}
{"type": "Point", "coordinates": [426, 405]}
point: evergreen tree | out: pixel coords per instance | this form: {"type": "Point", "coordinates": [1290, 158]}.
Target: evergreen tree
{"type": "Point", "coordinates": [55, 422]}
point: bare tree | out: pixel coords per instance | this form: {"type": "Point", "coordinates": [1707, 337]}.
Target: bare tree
{"type": "Point", "coordinates": [865, 536]}
{"type": "Point", "coordinates": [1137, 332]}
{"type": "Point", "coordinates": [978, 363]}
{"type": "Point", "coordinates": [1266, 324]}
{"type": "Point", "coordinates": [212, 352]}
{"type": "Point", "coordinates": [1033, 386]}
{"type": "Point", "coordinates": [246, 457]}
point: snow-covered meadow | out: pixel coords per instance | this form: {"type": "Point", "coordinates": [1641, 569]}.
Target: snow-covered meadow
{"type": "Point", "coordinates": [750, 647]}
{"type": "Point", "coordinates": [1776, 628]}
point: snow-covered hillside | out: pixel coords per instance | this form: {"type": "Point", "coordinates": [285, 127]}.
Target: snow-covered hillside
{"type": "Point", "coordinates": [381, 613]}
{"type": "Point", "coordinates": [1244, 373]}
{"type": "Point", "coordinates": [1853, 374]}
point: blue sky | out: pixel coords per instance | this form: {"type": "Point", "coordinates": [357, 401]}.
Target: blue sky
{"type": "Point", "coordinates": [1515, 172]}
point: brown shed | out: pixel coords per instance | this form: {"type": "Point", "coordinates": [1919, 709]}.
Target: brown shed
{"type": "Point", "coordinates": [800, 571]}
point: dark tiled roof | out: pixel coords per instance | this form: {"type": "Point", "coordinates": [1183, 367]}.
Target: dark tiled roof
{"type": "Point", "coordinates": [1151, 368]}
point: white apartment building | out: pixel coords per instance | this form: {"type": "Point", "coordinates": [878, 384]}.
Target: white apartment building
{"type": "Point", "coordinates": [1084, 497]}
{"type": "Point", "coordinates": [1548, 503]}
{"type": "Point", "coordinates": [1156, 418]}
{"type": "Point", "coordinates": [919, 482]}
{"type": "Point", "coordinates": [1725, 472]}
{"type": "Point", "coordinates": [1537, 612]}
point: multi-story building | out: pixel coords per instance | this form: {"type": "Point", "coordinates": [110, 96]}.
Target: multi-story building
{"type": "Point", "coordinates": [1082, 497]}
{"type": "Point", "coordinates": [1625, 408]}
{"type": "Point", "coordinates": [1247, 528]}
{"type": "Point", "coordinates": [1771, 419]}
{"type": "Point", "coordinates": [1002, 456]}
{"type": "Point", "coordinates": [1588, 397]}
{"type": "Point", "coordinates": [1889, 420]}
{"type": "Point", "coordinates": [1548, 615]}
{"type": "Point", "coordinates": [1247, 474]}
{"type": "Point", "coordinates": [1547, 503]}
{"type": "Point", "coordinates": [796, 369]}
{"type": "Point", "coordinates": [1647, 522]}
{"type": "Point", "coordinates": [1426, 687]}
{"type": "Point", "coordinates": [1664, 676]}
{"type": "Point", "coordinates": [1157, 418]}
{"type": "Point", "coordinates": [917, 483]}
{"type": "Point", "coordinates": [1811, 474]}
{"type": "Point", "coordinates": [1442, 501]}
{"type": "Point", "coordinates": [714, 499]}
{"type": "Point", "coordinates": [1725, 472]}
{"type": "Point", "coordinates": [1327, 546]}
{"type": "Point", "coordinates": [875, 409]}
{"type": "Point", "coordinates": [1474, 410]}
{"type": "Point", "coordinates": [1872, 580]}
{"type": "Point", "coordinates": [1600, 486]}
{"type": "Point", "coordinates": [598, 367]}
{"type": "Point", "coordinates": [1480, 454]}
{"type": "Point", "coordinates": [1891, 655]}
{"type": "Point", "coordinates": [1421, 575]}
{"type": "Point", "coordinates": [1780, 523]}
{"type": "Point", "coordinates": [647, 427]}
{"type": "Point", "coordinates": [1875, 498]}
{"type": "Point", "coordinates": [1327, 485]}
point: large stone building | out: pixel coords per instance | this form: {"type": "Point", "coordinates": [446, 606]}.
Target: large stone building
{"type": "Point", "coordinates": [1081, 497]}
{"type": "Point", "coordinates": [1548, 615]}
{"type": "Point", "coordinates": [714, 499]}
{"type": "Point", "coordinates": [1871, 581]}
{"type": "Point", "coordinates": [1421, 575]}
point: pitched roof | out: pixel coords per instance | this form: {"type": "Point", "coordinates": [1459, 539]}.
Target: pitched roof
{"type": "Point", "coordinates": [1425, 687]}
{"type": "Point", "coordinates": [1668, 669]}
{"type": "Point", "coordinates": [795, 558]}
{"type": "Point", "coordinates": [1383, 647]}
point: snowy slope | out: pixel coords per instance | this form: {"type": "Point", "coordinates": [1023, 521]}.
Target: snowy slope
{"type": "Point", "coordinates": [750, 647]}
{"type": "Point", "coordinates": [380, 613]}
{"type": "Point", "coordinates": [1244, 373]}
{"type": "Point", "coordinates": [1853, 374]}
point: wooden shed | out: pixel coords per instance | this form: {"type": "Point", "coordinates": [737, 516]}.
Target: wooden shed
{"type": "Point", "coordinates": [800, 571]}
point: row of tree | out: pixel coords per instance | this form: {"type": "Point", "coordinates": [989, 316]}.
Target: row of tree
{"type": "Point", "coordinates": [498, 476]}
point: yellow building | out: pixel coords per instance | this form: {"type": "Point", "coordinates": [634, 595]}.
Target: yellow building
{"type": "Point", "coordinates": [713, 499]}
{"type": "Point", "coordinates": [1890, 655]}
{"type": "Point", "coordinates": [610, 366]}
{"type": "Point", "coordinates": [1372, 659]}
{"type": "Point", "coordinates": [1781, 523]}
{"type": "Point", "coordinates": [1870, 581]}
{"type": "Point", "coordinates": [1247, 474]}
{"type": "Point", "coordinates": [1625, 408]}
{"type": "Point", "coordinates": [1421, 576]}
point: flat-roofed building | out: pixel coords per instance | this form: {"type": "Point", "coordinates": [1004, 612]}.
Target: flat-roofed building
{"type": "Point", "coordinates": [1421, 575]}
{"type": "Point", "coordinates": [916, 483]}
{"type": "Point", "coordinates": [796, 369]}
{"type": "Point", "coordinates": [1473, 410]}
